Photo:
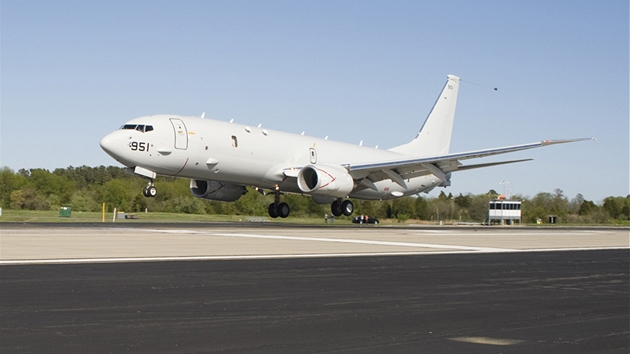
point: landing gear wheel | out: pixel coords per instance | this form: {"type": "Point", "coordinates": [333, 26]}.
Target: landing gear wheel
{"type": "Point", "coordinates": [273, 210]}
{"type": "Point", "coordinates": [347, 208]}
{"type": "Point", "coordinates": [283, 210]}
{"type": "Point", "coordinates": [149, 191]}
{"type": "Point", "coordinates": [335, 208]}
{"type": "Point", "coordinates": [279, 210]}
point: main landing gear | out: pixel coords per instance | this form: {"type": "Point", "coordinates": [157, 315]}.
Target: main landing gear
{"type": "Point", "coordinates": [149, 191]}
{"type": "Point", "coordinates": [278, 209]}
{"type": "Point", "coordinates": [342, 207]}
{"type": "Point", "coordinates": [338, 207]}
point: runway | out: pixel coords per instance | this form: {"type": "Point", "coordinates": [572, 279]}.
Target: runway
{"type": "Point", "coordinates": [312, 290]}
{"type": "Point", "coordinates": [80, 243]}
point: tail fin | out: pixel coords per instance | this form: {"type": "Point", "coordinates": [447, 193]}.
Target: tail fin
{"type": "Point", "coordinates": [434, 138]}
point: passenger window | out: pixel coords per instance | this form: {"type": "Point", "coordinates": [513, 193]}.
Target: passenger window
{"type": "Point", "coordinates": [234, 141]}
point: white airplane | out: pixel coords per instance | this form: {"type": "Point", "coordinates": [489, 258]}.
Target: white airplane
{"type": "Point", "coordinates": [222, 158]}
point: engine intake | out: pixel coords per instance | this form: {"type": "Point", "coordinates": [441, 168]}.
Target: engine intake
{"type": "Point", "coordinates": [325, 180]}
{"type": "Point", "coordinates": [216, 190]}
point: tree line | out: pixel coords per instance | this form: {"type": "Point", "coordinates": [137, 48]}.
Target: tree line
{"type": "Point", "coordinates": [86, 188]}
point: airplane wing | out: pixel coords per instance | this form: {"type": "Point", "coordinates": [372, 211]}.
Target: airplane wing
{"type": "Point", "coordinates": [400, 170]}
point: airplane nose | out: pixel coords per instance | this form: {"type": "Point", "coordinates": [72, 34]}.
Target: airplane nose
{"type": "Point", "coordinates": [107, 144]}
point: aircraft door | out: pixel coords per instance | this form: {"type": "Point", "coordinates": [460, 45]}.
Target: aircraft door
{"type": "Point", "coordinates": [313, 155]}
{"type": "Point", "coordinates": [181, 134]}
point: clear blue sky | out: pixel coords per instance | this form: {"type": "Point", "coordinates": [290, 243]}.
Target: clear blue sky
{"type": "Point", "coordinates": [72, 71]}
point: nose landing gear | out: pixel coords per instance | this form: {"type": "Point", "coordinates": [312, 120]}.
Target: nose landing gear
{"type": "Point", "coordinates": [149, 191]}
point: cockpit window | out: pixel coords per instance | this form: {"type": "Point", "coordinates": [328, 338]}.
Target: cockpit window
{"type": "Point", "coordinates": [139, 127]}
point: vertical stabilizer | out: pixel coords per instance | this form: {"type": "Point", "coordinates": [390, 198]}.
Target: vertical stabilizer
{"type": "Point", "coordinates": [434, 138]}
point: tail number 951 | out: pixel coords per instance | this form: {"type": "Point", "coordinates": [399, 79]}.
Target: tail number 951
{"type": "Point", "coordinates": [139, 146]}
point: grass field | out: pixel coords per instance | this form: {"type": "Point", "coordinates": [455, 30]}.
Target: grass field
{"type": "Point", "coordinates": [52, 216]}
{"type": "Point", "coordinates": [34, 216]}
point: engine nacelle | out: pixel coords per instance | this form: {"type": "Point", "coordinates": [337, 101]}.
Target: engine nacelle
{"type": "Point", "coordinates": [216, 190]}
{"type": "Point", "coordinates": [325, 180]}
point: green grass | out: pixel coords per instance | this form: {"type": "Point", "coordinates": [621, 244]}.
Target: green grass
{"type": "Point", "coordinates": [52, 216]}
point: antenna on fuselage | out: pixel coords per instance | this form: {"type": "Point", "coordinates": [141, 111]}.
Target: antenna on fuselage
{"type": "Point", "coordinates": [203, 115]}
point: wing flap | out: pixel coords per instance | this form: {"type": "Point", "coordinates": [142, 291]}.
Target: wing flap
{"type": "Point", "coordinates": [482, 165]}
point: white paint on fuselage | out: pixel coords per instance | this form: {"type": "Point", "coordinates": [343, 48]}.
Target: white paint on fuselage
{"type": "Point", "coordinates": [246, 155]}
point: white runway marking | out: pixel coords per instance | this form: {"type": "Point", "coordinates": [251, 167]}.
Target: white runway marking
{"type": "Point", "coordinates": [278, 256]}
{"type": "Point", "coordinates": [487, 340]}
{"type": "Point", "coordinates": [338, 240]}
{"type": "Point", "coordinates": [208, 258]}
{"type": "Point", "coordinates": [368, 242]}
{"type": "Point", "coordinates": [512, 234]}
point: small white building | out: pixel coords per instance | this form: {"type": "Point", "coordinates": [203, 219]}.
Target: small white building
{"type": "Point", "coordinates": [504, 211]}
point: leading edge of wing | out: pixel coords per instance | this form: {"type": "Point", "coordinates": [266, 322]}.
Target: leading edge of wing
{"type": "Point", "coordinates": [456, 156]}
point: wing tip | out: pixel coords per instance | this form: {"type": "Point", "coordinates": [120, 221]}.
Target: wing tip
{"type": "Point", "coordinates": [562, 141]}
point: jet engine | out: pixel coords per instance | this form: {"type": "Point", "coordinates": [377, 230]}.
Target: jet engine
{"type": "Point", "coordinates": [333, 181]}
{"type": "Point", "coordinates": [216, 190]}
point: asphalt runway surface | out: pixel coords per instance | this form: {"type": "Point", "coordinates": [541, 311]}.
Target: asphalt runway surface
{"type": "Point", "coordinates": [485, 301]}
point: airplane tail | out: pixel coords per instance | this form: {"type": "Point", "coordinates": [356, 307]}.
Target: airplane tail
{"type": "Point", "coordinates": [434, 138]}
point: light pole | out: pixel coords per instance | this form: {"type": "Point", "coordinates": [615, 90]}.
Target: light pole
{"type": "Point", "coordinates": [504, 183]}
{"type": "Point", "coordinates": [505, 197]}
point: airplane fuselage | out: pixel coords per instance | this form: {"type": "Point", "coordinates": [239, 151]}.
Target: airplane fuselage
{"type": "Point", "coordinates": [207, 149]}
